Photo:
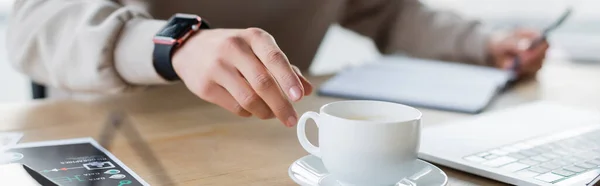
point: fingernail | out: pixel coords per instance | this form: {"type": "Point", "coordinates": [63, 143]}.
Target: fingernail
{"type": "Point", "coordinates": [298, 71]}
{"type": "Point", "coordinates": [291, 121]}
{"type": "Point", "coordinates": [295, 93]}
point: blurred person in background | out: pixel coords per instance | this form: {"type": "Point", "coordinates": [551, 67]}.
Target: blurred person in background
{"type": "Point", "coordinates": [247, 58]}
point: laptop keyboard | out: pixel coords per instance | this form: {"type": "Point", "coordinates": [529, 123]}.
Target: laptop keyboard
{"type": "Point", "coordinates": [550, 159]}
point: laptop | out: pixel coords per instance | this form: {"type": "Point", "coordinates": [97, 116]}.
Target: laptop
{"type": "Point", "coordinates": [539, 143]}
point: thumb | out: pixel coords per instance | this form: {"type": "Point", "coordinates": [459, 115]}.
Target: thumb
{"type": "Point", "coordinates": [527, 33]}
{"type": "Point", "coordinates": [506, 63]}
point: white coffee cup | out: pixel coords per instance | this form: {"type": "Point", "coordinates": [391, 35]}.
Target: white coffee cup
{"type": "Point", "coordinates": [365, 142]}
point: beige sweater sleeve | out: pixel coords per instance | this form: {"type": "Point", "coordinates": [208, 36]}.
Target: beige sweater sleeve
{"type": "Point", "coordinates": [408, 26]}
{"type": "Point", "coordinates": [97, 46]}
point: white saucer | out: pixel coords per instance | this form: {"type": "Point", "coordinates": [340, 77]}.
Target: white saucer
{"type": "Point", "coordinates": [309, 171]}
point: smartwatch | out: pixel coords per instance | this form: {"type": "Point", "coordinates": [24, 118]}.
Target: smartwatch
{"type": "Point", "coordinates": [178, 29]}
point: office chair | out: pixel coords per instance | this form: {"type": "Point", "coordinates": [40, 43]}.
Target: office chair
{"type": "Point", "coordinates": [38, 91]}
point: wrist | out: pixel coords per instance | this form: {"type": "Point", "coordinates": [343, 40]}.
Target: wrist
{"type": "Point", "coordinates": [490, 52]}
{"type": "Point", "coordinates": [494, 48]}
{"type": "Point", "coordinates": [172, 36]}
{"type": "Point", "coordinates": [180, 55]}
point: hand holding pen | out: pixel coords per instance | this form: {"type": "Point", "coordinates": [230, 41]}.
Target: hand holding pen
{"type": "Point", "coordinates": [530, 55]}
{"type": "Point", "coordinates": [523, 50]}
{"type": "Point", "coordinates": [506, 47]}
{"type": "Point", "coordinates": [538, 42]}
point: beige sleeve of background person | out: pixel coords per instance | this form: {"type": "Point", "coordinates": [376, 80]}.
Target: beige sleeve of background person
{"type": "Point", "coordinates": [97, 46]}
{"type": "Point", "coordinates": [410, 27]}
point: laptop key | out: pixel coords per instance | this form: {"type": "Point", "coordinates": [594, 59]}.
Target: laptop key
{"type": "Point", "coordinates": [498, 152]}
{"type": "Point", "coordinates": [491, 156]}
{"type": "Point", "coordinates": [517, 156]}
{"type": "Point", "coordinates": [585, 165]}
{"type": "Point", "coordinates": [563, 172]}
{"type": "Point", "coordinates": [483, 154]}
{"type": "Point", "coordinates": [550, 166]}
{"type": "Point", "coordinates": [574, 151]}
{"type": "Point", "coordinates": [561, 162]}
{"type": "Point", "coordinates": [573, 159]}
{"type": "Point", "coordinates": [539, 170]}
{"type": "Point", "coordinates": [549, 177]}
{"type": "Point", "coordinates": [551, 155]}
{"type": "Point", "coordinates": [594, 162]}
{"type": "Point", "coordinates": [475, 159]}
{"type": "Point", "coordinates": [500, 161]}
{"type": "Point", "coordinates": [552, 146]}
{"type": "Point", "coordinates": [528, 153]}
{"type": "Point", "coordinates": [514, 166]}
{"type": "Point", "coordinates": [561, 152]}
{"type": "Point", "coordinates": [510, 149]}
{"type": "Point", "coordinates": [588, 155]}
{"type": "Point", "coordinates": [539, 150]}
{"type": "Point", "coordinates": [574, 169]}
{"type": "Point", "coordinates": [547, 147]}
{"type": "Point", "coordinates": [529, 162]}
{"type": "Point", "coordinates": [540, 158]}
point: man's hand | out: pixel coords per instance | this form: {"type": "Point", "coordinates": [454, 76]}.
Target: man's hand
{"type": "Point", "coordinates": [505, 46]}
{"type": "Point", "coordinates": [243, 71]}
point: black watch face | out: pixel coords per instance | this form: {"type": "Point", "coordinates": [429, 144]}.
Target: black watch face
{"type": "Point", "coordinates": [177, 27]}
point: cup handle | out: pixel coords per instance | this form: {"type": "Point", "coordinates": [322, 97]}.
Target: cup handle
{"type": "Point", "coordinates": [309, 147]}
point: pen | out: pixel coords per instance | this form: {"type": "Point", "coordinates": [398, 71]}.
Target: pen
{"type": "Point", "coordinates": [544, 37]}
